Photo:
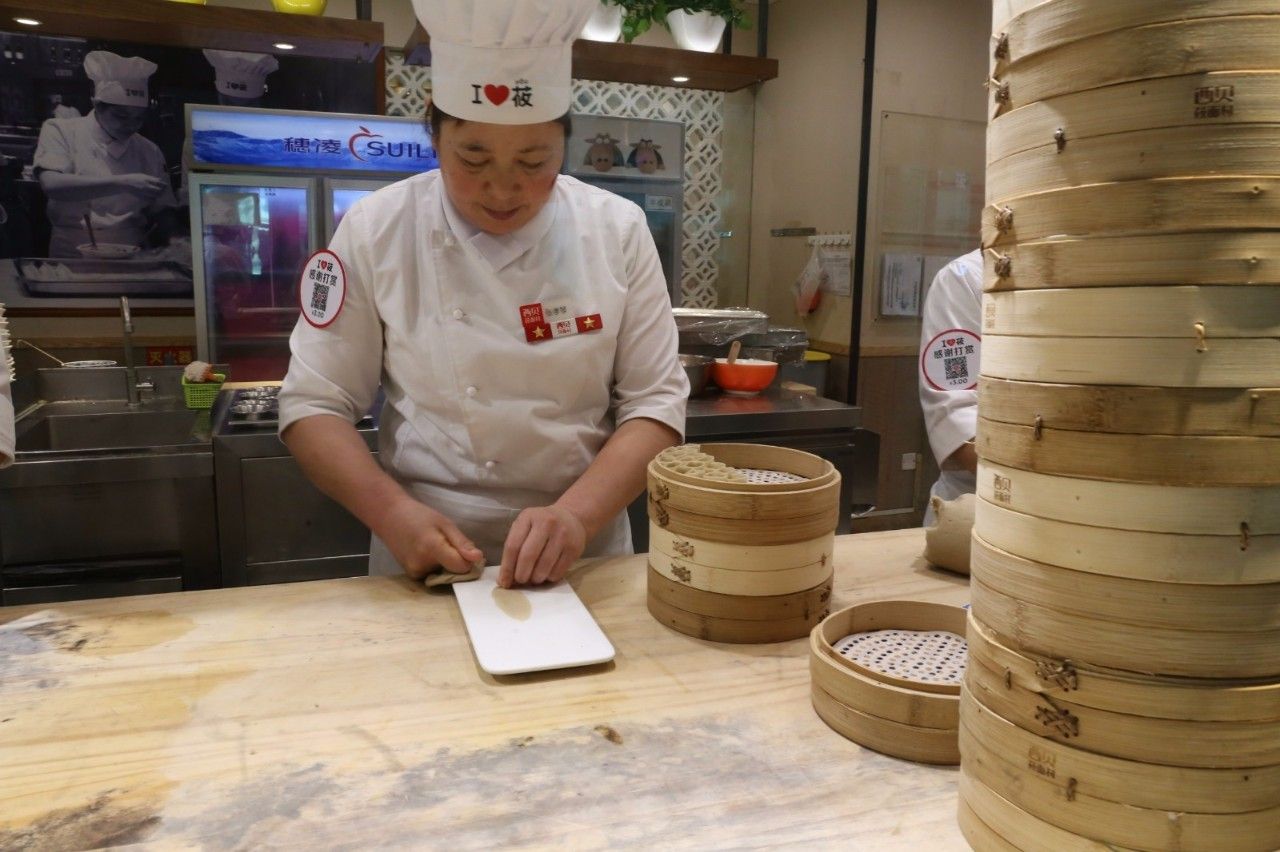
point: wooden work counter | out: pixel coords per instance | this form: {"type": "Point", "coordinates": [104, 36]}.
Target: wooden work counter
{"type": "Point", "coordinates": [351, 714]}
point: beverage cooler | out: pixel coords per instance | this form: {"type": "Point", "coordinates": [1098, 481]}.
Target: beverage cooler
{"type": "Point", "coordinates": [267, 189]}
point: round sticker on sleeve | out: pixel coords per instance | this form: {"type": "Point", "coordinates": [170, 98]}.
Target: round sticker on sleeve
{"type": "Point", "coordinates": [950, 361]}
{"type": "Point", "coordinates": [323, 288]}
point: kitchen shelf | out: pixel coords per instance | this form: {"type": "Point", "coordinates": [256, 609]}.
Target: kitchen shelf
{"type": "Point", "coordinates": [638, 63]}
{"type": "Point", "coordinates": [188, 25]}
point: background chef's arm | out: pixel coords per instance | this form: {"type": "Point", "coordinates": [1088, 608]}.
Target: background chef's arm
{"type": "Point", "coordinates": [71, 187]}
{"type": "Point", "coordinates": [951, 416]}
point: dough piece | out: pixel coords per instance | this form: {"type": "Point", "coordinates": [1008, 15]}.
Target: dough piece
{"type": "Point", "coordinates": [947, 542]}
{"type": "Point", "coordinates": [440, 576]}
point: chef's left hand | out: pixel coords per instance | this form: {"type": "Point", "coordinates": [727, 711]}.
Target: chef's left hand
{"type": "Point", "coordinates": [542, 544]}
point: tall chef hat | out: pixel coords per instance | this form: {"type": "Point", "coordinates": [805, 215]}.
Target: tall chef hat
{"type": "Point", "coordinates": [241, 75]}
{"type": "Point", "coordinates": [117, 79]}
{"type": "Point", "coordinates": [502, 61]}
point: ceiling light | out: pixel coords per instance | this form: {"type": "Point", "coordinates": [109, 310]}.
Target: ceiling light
{"type": "Point", "coordinates": [679, 79]}
{"type": "Point", "coordinates": [27, 22]}
{"type": "Point", "coordinates": [282, 45]}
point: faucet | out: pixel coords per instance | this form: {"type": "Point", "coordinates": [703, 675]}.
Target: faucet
{"type": "Point", "coordinates": [132, 385]}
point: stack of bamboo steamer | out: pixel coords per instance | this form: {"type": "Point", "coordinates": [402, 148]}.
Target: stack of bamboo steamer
{"type": "Point", "coordinates": [741, 540]}
{"type": "Point", "coordinates": [1123, 687]}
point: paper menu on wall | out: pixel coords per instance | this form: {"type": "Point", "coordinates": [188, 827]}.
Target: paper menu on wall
{"type": "Point", "coordinates": [900, 276]}
{"type": "Point", "coordinates": [837, 263]}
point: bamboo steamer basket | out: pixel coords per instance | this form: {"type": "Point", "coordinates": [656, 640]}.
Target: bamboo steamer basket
{"type": "Point", "coordinates": [1165, 152]}
{"type": "Point", "coordinates": [802, 604]}
{"type": "Point", "coordinates": [1238, 42]}
{"type": "Point", "coordinates": [1192, 361]}
{"type": "Point", "coordinates": [1135, 208]}
{"type": "Point", "coordinates": [1203, 653]}
{"type": "Point", "coordinates": [813, 471]}
{"type": "Point", "coordinates": [724, 581]}
{"type": "Point", "coordinates": [1136, 554]}
{"type": "Point", "coordinates": [1026, 27]}
{"type": "Point", "coordinates": [728, 502]}
{"type": "Point", "coordinates": [1181, 606]}
{"type": "Point", "coordinates": [1184, 312]}
{"type": "Point", "coordinates": [1203, 259]}
{"type": "Point", "coordinates": [981, 810]}
{"type": "Point", "coordinates": [759, 531]}
{"type": "Point", "coordinates": [1184, 101]}
{"type": "Point", "coordinates": [1134, 506]}
{"type": "Point", "coordinates": [1211, 745]}
{"type": "Point", "coordinates": [1133, 409]}
{"type": "Point", "coordinates": [732, 630]}
{"type": "Point", "coordinates": [740, 557]}
{"type": "Point", "coordinates": [1186, 699]}
{"type": "Point", "coordinates": [1142, 785]}
{"type": "Point", "coordinates": [1117, 822]}
{"type": "Point", "coordinates": [885, 707]}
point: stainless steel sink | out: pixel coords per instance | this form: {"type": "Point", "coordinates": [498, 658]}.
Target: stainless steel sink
{"type": "Point", "coordinates": [110, 425]}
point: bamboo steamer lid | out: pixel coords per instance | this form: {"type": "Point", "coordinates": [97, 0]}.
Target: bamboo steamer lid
{"type": "Point", "coordinates": [1132, 409]}
{"type": "Point", "coordinates": [740, 557]}
{"type": "Point", "coordinates": [981, 810]}
{"type": "Point", "coordinates": [724, 581]}
{"type": "Point", "coordinates": [1203, 258]}
{"type": "Point", "coordinates": [1176, 742]}
{"type": "Point", "coordinates": [1077, 684]}
{"type": "Point", "coordinates": [1116, 822]}
{"type": "Point", "coordinates": [1159, 362]}
{"type": "Point", "coordinates": [800, 604]}
{"type": "Point", "coordinates": [1181, 606]}
{"type": "Point", "coordinates": [733, 630]}
{"type": "Point", "coordinates": [1185, 312]}
{"type": "Point", "coordinates": [923, 745]}
{"type": "Point", "coordinates": [1136, 554]}
{"type": "Point", "coordinates": [1240, 42]}
{"type": "Point", "coordinates": [1165, 152]}
{"type": "Point", "coordinates": [1218, 650]}
{"type": "Point", "coordinates": [853, 689]}
{"type": "Point", "coordinates": [1159, 459]}
{"type": "Point", "coordinates": [1025, 28]}
{"type": "Point", "coordinates": [1143, 785]}
{"type": "Point", "coordinates": [1136, 207]}
{"type": "Point", "coordinates": [1191, 100]}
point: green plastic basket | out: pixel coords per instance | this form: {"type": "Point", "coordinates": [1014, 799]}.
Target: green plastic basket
{"type": "Point", "coordinates": [202, 394]}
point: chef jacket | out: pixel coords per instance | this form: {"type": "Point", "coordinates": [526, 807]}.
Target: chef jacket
{"type": "Point", "coordinates": [485, 414]}
{"type": "Point", "coordinates": [6, 419]}
{"type": "Point", "coordinates": [954, 302]}
{"type": "Point", "coordinates": [79, 146]}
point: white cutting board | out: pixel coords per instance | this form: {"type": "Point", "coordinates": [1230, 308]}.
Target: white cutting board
{"type": "Point", "coordinates": [529, 629]}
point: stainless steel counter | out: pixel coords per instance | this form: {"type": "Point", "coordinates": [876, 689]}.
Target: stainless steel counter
{"type": "Point", "coordinates": [774, 412]}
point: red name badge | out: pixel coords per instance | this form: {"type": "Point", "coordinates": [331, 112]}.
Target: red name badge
{"type": "Point", "coordinates": [547, 321]}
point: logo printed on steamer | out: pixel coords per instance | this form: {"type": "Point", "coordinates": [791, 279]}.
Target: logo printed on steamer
{"type": "Point", "coordinates": [1003, 488]}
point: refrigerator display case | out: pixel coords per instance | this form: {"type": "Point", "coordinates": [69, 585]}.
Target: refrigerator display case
{"type": "Point", "coordinates": [268, 188]}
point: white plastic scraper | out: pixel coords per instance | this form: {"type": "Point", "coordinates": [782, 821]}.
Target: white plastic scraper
{"type": "Point", "coordinates": [529, 629]}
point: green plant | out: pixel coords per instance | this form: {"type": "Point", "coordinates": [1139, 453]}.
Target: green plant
{"type": "Point", "coordinates": [638, 15]}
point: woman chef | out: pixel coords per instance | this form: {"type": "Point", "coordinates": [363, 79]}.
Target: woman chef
{"type": "Point", "coordinates": [98, 164]}
{"type": "Point", "coordinates": [517, 319]}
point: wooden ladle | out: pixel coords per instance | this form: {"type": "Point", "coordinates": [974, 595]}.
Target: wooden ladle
{"type": "Point", "coordinates": [734, 349]}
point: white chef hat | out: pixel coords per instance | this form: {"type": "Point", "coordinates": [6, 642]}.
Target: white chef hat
{"type": "Point", "coordinates": [119, 80]}
{"type": "Point", "coordinates": [241, 75]}
{"type": "Point", "coordinates": [503, 61]}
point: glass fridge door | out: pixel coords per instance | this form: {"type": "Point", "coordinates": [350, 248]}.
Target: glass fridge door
{"type": "Point", "coordinates": [339, 195]}
{"type": "Point", "coordinates": [251, 235]}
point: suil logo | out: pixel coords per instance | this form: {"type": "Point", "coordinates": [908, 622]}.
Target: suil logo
{"type": "Point", "coordinates": [365, 133]}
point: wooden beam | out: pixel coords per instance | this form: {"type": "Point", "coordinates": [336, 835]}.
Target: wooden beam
{"type": "Point", "coordinates": [186, 25]}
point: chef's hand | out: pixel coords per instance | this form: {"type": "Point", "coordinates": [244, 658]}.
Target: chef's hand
{"type": "Point", "coordinates": [140, 184]}
{"type": "Point", "coordinates": [542, 544]}
{"type": "Point", "coordinates": [420, 538]}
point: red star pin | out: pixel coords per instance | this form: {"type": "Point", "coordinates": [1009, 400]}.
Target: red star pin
{"type": "Point", "coordinates": [590, 322]}
{"type": "Point", "coordinates": [537, 332]}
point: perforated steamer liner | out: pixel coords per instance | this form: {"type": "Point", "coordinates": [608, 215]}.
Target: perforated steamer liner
{"type": "Point", "coordinates": [900, 617]}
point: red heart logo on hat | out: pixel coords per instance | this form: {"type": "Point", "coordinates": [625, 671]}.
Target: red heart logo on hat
{"type": "Point", "coordinates": [951, 342]}
{"type": "Point", "coordinates": [496, 94]}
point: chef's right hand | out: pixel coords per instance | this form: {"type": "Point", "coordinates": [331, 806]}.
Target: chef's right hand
{"type": "Point", "coordinates": [420, 538]}
{"type": "Point", "coordinates": [143, 185]}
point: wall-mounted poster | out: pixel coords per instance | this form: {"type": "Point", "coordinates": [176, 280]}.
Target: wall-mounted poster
{"type": "Point", "coordinates": [604, 146]}
{"type": "Point", "coordinates": [92, 139]}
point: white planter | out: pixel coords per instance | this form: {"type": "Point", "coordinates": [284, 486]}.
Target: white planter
{"type": "Point", "coordinates": [605, 23]}
{"type": "Point", "coordinates": [699, 31]}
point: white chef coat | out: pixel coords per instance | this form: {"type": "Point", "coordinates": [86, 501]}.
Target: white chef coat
{"type": "Point", "coordinates": [954, 301]}
{"type": "Point", "coordinates": [6, 419]}
{"type": "Point", "coordinates": [79, 146]}
{"type": "Point", "coordinates": [478, 422]}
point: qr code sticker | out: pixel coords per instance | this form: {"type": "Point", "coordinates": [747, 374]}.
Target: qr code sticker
{"type": "Point", "coordinates": [320, 300]}
{"type": "Point", "coordinates": [957, 369]}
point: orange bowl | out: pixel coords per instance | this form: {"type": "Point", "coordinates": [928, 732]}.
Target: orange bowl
{"type": "Point", "coordinates": [744, 377]}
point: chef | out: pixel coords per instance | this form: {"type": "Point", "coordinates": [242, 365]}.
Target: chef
{"type": "Point", "coordinates": [239, 77]}
{"type": "Point", "coordinates": [98, 164]}
{"type": "Point", "coordinates": [517, 319]}
{"type": "Point", "coordinates": [950, 350]}
{"type": "Point", "coordinates": [6, 419]}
